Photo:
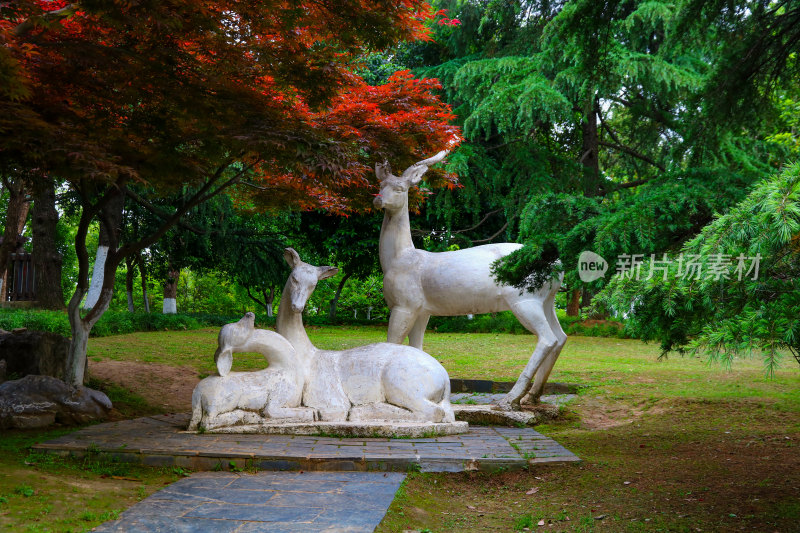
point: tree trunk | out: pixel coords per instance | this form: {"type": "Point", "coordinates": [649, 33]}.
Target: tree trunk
{"type": "Point", "coordinates": [574, 305]}
{"type": "Point", "coordinates": [16, 215]}
{"type": "Point", "coordinates": [170, 306]}
{"type": "Point", "coordinates": [335, 300]}
{"type": "Point", "coordinates": [269, 298]}
{"type": "Point", "coordinates": [590, 151]}
{"type": "Point", "coordinates": [129, 283]}
{"type": "Point", "coordinates": [46, 259]}
{"type": "Point", "coordinates": [97, 275]}
{"type": "Point", "coordinates": [110, 228]}
{"type": "Point", "coordinates": [586, 298]}
{"type": "Point", "coordinates": [76, 358]}
{"type": "Point", "coordinates": [267, 302]}
{"type": "Point", "coordinates": [143, 272]}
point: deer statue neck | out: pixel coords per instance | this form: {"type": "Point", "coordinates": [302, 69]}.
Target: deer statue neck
{"type": "Point", "coordinates": [395, 236]}
{"type": "Point", "coordinates": [290, 325]}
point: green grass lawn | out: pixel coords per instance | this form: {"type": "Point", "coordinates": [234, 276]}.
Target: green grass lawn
{"type": "Point", "coordinates": [617, 369]}
{"type": "Point", "coordinates": [667, 445]}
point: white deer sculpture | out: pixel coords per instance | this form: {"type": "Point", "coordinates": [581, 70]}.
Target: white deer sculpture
{"type": "Point", "coordinates": [379, 381]}
{"type": "Point", "coordinates": [246, 398]}
{"type": "Point", "coordinates": [418, 284]}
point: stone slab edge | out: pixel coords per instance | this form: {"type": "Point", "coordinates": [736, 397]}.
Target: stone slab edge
{"type": "Point", "coordinates": [234, 462]}
{"type": "Point", "coordinates": [488, 386]}
{"type": "Point", "coordinates": [486, 415]}
{"type": "Point", "coordinates": [351, 429]}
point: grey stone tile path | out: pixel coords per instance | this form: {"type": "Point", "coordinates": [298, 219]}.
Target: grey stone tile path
{"type": "Point", "coordinates": [266, 501]}
{"type": "Point", "coordinates": [161, 441]}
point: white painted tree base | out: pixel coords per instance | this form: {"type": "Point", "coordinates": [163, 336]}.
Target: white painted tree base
{"type": "Point", "coordinates": [170, 306]}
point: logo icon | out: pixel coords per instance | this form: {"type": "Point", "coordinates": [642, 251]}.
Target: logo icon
{"type": "Point", "coordinates": [591, 266]}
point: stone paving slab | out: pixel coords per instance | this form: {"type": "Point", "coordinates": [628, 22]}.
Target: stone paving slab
{"type": "Point", "coordinates": [267, 501]}
{"type": "Point", "coordinates": [161, 441]}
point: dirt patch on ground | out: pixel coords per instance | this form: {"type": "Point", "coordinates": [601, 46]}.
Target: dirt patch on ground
{"type": "Point", "coordinates": [599, 414]}
{"type": "Point", "coordinates": [166, 387]}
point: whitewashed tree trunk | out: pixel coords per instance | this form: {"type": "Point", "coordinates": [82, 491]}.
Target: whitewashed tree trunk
{"type": "Point", "coordinates": [97, 277]}
{"type": "Point", "coordinates": [269, 298]}
{"type": "Point", "coordinates": [76, 356]}
{"type": "Point", "coordinates": [170, 306]}
{"type": "Point", "coordinates": [131, 308]}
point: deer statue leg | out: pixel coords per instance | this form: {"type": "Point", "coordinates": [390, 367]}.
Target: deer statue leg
{"type": "Point", "coordinates": [400, 323]}
{"type": "Point", "coordinates": [289, 414]}
{"type": "Point", "coordinates": [531, 314]}
{"type": "Point", "coordinates": [543, 374]}
{"type": "Point", "coordinates": [417, 333]}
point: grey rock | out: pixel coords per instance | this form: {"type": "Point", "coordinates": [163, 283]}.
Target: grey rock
{"type": "Point", "coordinates": [34, 352]}
{"type": "Point", "coordinates": [38, 401]}
{"type": "Point", "coordinates": [490, 415]}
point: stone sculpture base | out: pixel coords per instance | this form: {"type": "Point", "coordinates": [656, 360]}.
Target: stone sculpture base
{"type": "Point", "coordinates": [352, 429]}
{"type": "Point", "coordinates": [490, 415]}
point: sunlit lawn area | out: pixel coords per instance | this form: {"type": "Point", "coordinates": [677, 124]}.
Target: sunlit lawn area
{"type": "Point", "coordinates": [701, 447]}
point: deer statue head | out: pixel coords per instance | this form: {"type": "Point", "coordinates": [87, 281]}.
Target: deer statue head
{"type": "Point", "coordinates": [394, 189]}
{"type": "Point", "coordinates": [231, 338]}
{"type": "Point", "coordinates": [303, 279]}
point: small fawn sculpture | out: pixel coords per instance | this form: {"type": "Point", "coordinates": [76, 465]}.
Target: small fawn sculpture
{"type": "Point", "coordinates": [379, 381]}
{"type": "Point", "coordinates": [418, 284]}
{"type": "Point", "coordinates": [246, 398]}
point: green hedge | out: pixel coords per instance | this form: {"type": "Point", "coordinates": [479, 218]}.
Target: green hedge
{"type": "Point", "coordinates": [506, 322]}
{"type": "Point", "coordinates": [111, 323]}
{"type": "Point", "coordinates": [119, 322]}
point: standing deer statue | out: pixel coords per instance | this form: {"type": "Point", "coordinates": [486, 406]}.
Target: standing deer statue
{"type": "Point", "coordinates": [418, 284]}
{"type": "Point", "coordinates": [379, 381]}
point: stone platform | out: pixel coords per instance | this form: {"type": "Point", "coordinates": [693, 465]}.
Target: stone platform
{"type": "Point", "coordinates": [352, 429]}
{"type": "Point", "coordinates": [162, 441]}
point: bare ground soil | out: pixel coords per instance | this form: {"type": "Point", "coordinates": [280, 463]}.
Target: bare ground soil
{"type": "Point", "coordinates": [167, 388]}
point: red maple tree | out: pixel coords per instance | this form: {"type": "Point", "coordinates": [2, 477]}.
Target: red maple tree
{"type": "Point", "coordinates": [196, 97]}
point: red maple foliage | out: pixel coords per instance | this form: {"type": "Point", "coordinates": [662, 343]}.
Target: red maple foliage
{"type": "Point", "coordinates": [194, 97]}
{"type": "Point", "coordinates": [161, 92]}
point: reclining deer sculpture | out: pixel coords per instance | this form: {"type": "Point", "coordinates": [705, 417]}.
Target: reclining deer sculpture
{"type": "Point", "coordinates": [418, 284]}
{"type": "Point", "coordinates": [379, 381]}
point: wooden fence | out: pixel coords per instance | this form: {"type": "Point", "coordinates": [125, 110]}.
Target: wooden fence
{"type": "Point", "coordinates": [21, 278]}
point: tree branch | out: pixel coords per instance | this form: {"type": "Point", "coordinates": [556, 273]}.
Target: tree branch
{"type": "Point", "coordinates": [163, 214]}
{"type": "Point", "coordinates": [50, 16]}
{"type": "Point", "coordinates": [501, 230]}
{"type": "Point", "coordinates": [197, 198]}
{"type": "Point", "coordinates": [259, 302]}
{"type": "Point", "coordinates": [631, 152]}
{"type": "Point", "coordinates": [490, 213]}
